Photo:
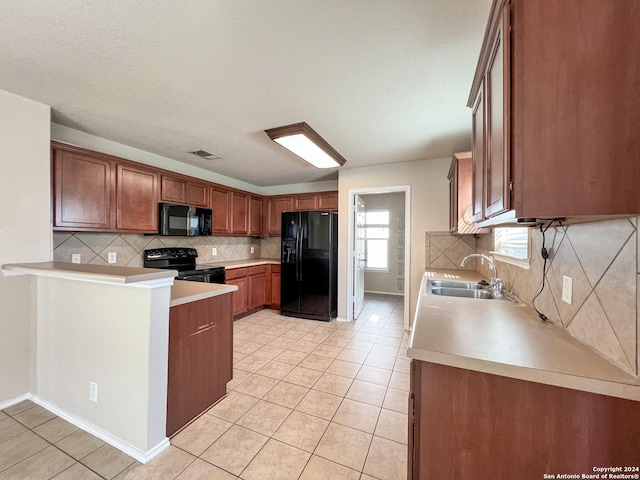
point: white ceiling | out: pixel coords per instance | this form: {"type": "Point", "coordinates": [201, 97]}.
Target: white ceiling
{"type": "Point", "coordinates": [382, 81]}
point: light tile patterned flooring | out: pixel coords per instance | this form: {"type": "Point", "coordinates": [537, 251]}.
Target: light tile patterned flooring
{"type": "Point", "coordinates": [309, 401]}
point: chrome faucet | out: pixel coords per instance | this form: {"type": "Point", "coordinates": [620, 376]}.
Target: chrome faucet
{"type": "Point", "coordinates": [495, 284]}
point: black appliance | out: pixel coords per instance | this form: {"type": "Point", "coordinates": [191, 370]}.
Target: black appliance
{"type": "Point", "coordinates": [309, 265]}
{"type": "Point", "coordinates": [183, 220]}
{"type": "Point", "coordinates": [183, 260]}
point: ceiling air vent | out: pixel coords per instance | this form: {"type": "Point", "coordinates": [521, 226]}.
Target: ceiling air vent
{"type": "Point", "coordinates": [205, 154]}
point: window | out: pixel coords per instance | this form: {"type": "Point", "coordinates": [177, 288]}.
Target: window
{"type": "Point", "coordinates": [511, 245]}
{"type": "Point", "coordinates": [376, 234]}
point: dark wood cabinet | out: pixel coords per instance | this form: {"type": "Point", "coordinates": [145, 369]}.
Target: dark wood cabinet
{"type": "Point", "coordinates": [467, 424]}
{"type": "Point", "coordinates": [255, 216]}
{"type": "Point", "coordinates": [239, 213]}
{"type": "Point", "coordinates": [184, 191]}
{"type": "Point", "coordinates": [305, 202]}
{"type": "Point", "coordinates": [316, 201]}
{"type": "Point", "coordinates": [84, 191]}
{"type": "Point", "coordinates": [200, 358]}
{"type": "Point", "coordinates": [198, 194]}
{"type": "Point", "coordinates": [328, 201]}
{"type": "Point", "coordinates": [275, 207]}
{"type": "Point", "coordinates": [256, 286]}
{"type": "Point", "coordinates": [551, 113]}
{"type": "Point", "coordinates": [137, 195]}
{"type": "Point", "coordinates": [238, 277]}
{"type": "Point", "coordinates": [272, 292]}
{"type": "Point", "coordinates": [220, 207]}
{"type": "Point", "coordinates": [460, 195]}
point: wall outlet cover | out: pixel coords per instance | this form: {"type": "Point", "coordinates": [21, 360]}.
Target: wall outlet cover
{"type": "Point", "coordinates": [567, 289]}
{"type": "Point", "coordinates": [112, 257]}
{"type": "Point", "coordinates": [76, 258]}
{"type": "Point", "coordinates": [93, 392]}
{"type": "Point", "coordinates": [214, 251]}
{"type": "Point", "coordinates": [253, 249]}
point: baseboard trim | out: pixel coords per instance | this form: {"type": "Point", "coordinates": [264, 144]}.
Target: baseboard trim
{"type": "Point", "coordinates": [15, 400]}
{"type": "Point", "coordinates": [134, 452]}
{"type": "Point", "coordinates": [397, 294]}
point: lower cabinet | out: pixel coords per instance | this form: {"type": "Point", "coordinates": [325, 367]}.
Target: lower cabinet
{"type": "Point", "coordinates": [257, 283]}
{"type": "Point", "coordinates": [200, 358]}
{"type": "Point", "coordinates": [238, 277]}
{"type": "Point", "coordinates": [256, 288]}
{"type": "Point", "coordinates": [466, 424]}
{"type": "Point", "coordinates": [273, 287]}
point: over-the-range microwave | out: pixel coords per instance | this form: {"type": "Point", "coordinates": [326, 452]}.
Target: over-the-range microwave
{"type": "Point", "coordinates": [183, 220]}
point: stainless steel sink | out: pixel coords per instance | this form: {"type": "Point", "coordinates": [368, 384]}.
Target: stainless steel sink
{"type": "Point", "coordinates": [462, 292]}
{"type": "Point", "coordinates": [454, 284]}
{"type": "Point", "coordinates": [450, 288]}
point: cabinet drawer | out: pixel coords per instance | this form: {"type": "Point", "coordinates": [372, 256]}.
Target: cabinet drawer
{"type": "Point", "coordinates": [236, 272]}
{"type": "Point", "coordinates": [257, 269]}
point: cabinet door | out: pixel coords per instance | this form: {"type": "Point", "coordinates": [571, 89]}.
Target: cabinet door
{"type": "Point", "coordinates": [257, 287]}
{"type": "Point", "coordinates": [173, 190]}
{"type": "Point", "coordinates": [137, 194]}
{"type": "Point", "coordinates": [497, 160]}
{"type": "Point", "coordinates": [84, 191]}
{"type": "Point", "coordinates": [198, 194]}
{"type": "Point", "coordinates": [477, 127]}
{"type": "Point", "coordinates": [275, 207]}
{"type": "Point", "coordinates": [239, 213]}
{"type": "Point", "coordinates": [305, 202]}
{"type": "Point", "coordinates": [220, 206]}
{"type": "Point", "coordinates": [275, 289]}
{"type": "Point", "coordinates": [255, 216]}
{"type": "Point", "coordinates": [328, 201]}
{"type": "Point", "coordinates": [453, 196]}
{"type": "Point", "coordinates": [240, 298]}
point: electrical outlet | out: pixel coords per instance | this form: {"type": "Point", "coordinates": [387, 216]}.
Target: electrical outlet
{"type": "Point", "coordinates": [253, 249]}
{"type": "Point", "coordinates": [567, 289]}
{"type": "Point", "coordinates": [214, 251]}
{"type": "Point", "coordinates": [111, 257]}
{"type": "Point", "coordinates": [75, 258]}
{"type": "Point", "coordinates": [93, 392]}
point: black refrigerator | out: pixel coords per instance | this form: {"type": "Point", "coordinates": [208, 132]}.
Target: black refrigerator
{"type": "Point", "coordinates": [309, 265]}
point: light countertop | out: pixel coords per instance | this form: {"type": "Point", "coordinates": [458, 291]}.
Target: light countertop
{"type": "Point", "coordinates": [508, 339]}
{"type": "Point", "coordinates": [88, 272]}
{"type": "Point", "coordinates": [250, 262]}
{"type": "Point", "coordinates": [186, 292]}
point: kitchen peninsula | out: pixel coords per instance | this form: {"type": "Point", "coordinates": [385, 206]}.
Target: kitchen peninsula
{"type": "Point", "coordinates": [108, 326]}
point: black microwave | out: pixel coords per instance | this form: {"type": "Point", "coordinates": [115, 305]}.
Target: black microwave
{"type": "Point", "coordinates": [183, 220]}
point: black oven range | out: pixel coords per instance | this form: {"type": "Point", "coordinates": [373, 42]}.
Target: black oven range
{"type": "Point", "coordinates": [184, 261]}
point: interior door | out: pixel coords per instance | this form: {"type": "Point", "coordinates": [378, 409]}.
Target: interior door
{"type": "Point", "coordinates": [358, 257]}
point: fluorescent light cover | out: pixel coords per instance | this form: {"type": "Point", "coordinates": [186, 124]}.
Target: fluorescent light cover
{"type": "Point", "coordinates": [305, 142]}
{"type": "Point", "coordinates": [307, 150]}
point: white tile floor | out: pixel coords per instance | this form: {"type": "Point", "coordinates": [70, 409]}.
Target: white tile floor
{"type": "Point", "coordinates": [309, 400]}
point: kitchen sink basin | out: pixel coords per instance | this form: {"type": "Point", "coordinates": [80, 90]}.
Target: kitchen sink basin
{"type": "Point", "coordinates": [462, 292]}
{"type": "Point", "coordinates": [454, 284]}
{"type": "Point", "coordinates": [448, 288]}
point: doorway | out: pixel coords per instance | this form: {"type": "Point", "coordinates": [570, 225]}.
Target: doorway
{"type": "Point", "coordinates": [396, 273]}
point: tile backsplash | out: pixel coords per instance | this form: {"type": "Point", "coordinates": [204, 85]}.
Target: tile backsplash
{"type": "Point", "coordinates": [602, 259]}
{"type": "Point", "coordinates": [443, 250]}
{"type": "Point", "coordinates": [94, 247]}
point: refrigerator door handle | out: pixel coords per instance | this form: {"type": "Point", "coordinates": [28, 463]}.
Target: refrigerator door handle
{"type": "Point", "coordinates": [299, 257]}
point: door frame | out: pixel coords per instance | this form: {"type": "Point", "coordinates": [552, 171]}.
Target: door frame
{"type": "Point", "coordinates": [352, 192]}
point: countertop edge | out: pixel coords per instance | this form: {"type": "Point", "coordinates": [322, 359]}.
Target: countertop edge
{"type": "Point", "coordinates": [183, 292]}
{"type": "Point", "coordinates": [244, 263]}
{"type": "Point", "coordinates": [87, 272]}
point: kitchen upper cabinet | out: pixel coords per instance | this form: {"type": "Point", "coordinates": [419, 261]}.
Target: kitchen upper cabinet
{"type": "Point", "coordinates": [328, 201]}
{"type": "Point", "coordinates": [305, 202]}
{"type": "Point", "coordinates": [221, 206]}
{"type": "Point", "coordinates": [467, 424]}
{"type": "Point", "coordinates": [137, 195]}
{"type": "Point", "coordinates": [84, 191]}
{"type": "Point", "coordinates": [551, 112]}
{"type": "Point", "coordinates": [275, 207]}
{"type": "Point", "coordinates": [184, 191]}
{"type": "Point", "coordinates": [256, 205]}
{"type": "Point", "coordinates": [460, 195]}
{"type": "Point", "coordinates": [97, 192]}
{"type": "Point", "coordinates": [239, 213]}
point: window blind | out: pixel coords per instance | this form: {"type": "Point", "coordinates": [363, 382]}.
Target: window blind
{"type": "Point", "coordinates": [513, 242]}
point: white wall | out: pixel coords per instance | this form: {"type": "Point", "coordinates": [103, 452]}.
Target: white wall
{"type": "Point", "coordinates": [387, 281]}
{"type": "Point", "coordinates": [429, 207]}
{"type": "Point", "coordinates": [25, 231]}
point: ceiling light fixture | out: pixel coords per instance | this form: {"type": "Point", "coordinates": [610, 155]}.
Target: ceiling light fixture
{"type": "Point", "coordinates": [305, 142]}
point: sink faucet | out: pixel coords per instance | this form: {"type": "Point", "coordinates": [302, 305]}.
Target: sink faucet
{"type": "Point", "coordinates": [495, 284]}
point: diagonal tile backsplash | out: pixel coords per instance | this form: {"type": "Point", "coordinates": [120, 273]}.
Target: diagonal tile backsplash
{"type": "Point", "coordinates": [94, 247]}
{"type": "Point", "coordinates": [602, 259]}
